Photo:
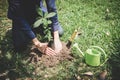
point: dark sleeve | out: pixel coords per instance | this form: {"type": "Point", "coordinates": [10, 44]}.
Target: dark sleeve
{"type": "Point", "coordinates": [16, 14]}
{"type": "Point", "coordinates": [14, 8]}
{"type": "Point", "coordinates": [25, 28]}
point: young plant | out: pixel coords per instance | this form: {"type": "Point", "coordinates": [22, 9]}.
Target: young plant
{"type": "Point", "coordinates": [44, 20]}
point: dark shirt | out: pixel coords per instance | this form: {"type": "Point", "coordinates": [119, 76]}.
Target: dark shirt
{"type": "Point", "coordinates": [23, 9]}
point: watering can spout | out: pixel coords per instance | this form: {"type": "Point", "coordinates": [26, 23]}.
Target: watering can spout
{"type": "Point", "coordinates": [76, 46]}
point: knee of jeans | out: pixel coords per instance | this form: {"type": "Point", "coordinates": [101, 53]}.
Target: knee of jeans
{"type": "Point", "coordinates": [51, 9]}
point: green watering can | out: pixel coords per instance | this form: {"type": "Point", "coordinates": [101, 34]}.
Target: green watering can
{"type": "Point", "coordinates": [93, 55]}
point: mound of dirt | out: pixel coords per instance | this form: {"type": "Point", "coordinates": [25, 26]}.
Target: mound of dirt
{"type": "Point", "coordinates": [49, 61]}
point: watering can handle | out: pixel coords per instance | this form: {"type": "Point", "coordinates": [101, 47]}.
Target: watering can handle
{"type": "Point", "coordinates": [105, 56]}
{"type": "Point", "coordinates": [100, 50]}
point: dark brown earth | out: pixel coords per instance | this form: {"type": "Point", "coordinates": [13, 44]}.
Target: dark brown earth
{"type": "Point", "coordinates": [49, 61]}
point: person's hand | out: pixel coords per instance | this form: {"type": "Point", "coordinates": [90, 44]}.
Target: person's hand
{"type": "Point", "coordinates": [43, 47]}
{"type": "Point", "coordinates": [49, 51]}
{"type": "Point", "coordinates": [57, 45]}
{"type": "Point", "coordinates": [57, 42]}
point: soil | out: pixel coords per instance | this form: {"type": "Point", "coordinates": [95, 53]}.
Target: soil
{"type": "Point", "coordinates": [49, 61]}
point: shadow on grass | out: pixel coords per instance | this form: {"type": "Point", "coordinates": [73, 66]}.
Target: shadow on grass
{"type": "Point", "coordinates": [11, 65]}
{"type": "Point", "coordinates": [115, 57]}
{"type": "Point", "coordinates": [115, 31]}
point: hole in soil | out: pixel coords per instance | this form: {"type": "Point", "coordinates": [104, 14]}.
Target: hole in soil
{"type": "Point", "coordinates": [49, 61]}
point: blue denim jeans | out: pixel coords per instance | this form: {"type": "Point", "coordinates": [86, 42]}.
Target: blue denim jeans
{"type": "Point", "coordinates": [51, 7]}
{"type": "Point", "coordinates": [22, 34]}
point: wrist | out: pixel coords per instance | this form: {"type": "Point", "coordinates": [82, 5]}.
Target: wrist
{"type": "Point", "coordinates": [56, 35]}
{"type": "Point", "coordinates": [36, 42]}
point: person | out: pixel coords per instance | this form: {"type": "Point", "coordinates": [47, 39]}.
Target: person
{"type": "Point", "coordinates": [23, 15]}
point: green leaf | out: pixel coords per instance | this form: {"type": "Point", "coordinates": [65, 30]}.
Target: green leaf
{"type": "Point", "coordinates": [49, 21]}
{"type": "Point", "coordinates": [50, 15]}
{"type": "Point", "coordinates": [39, 11]}
{"type": "Point", "coordinates": [8, 56]}
{"type": "Point", "coordinates": [37, 23]}
{"type": "Point", "coordinates": [45, 14]}
{"type": "Point", "coordinates": [45, 22]}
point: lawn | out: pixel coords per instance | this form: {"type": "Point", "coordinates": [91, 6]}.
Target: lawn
{"type": "Point", "coordinates": [99, 23]}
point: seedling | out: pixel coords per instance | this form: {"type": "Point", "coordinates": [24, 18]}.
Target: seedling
{"type": "Point", "coordinates": [44, 19]}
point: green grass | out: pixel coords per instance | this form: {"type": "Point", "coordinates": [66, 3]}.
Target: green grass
{"type": "Point", "coordinates": [98, 27]}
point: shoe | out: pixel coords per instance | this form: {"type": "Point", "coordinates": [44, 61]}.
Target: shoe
{"type": "Point", "coordinates": [60, 31]}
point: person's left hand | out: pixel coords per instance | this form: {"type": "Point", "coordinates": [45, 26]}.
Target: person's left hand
{"type": "Point", "coordinates": [57, 45]}
{"type": "Point", "coordinates": [43, 47]}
